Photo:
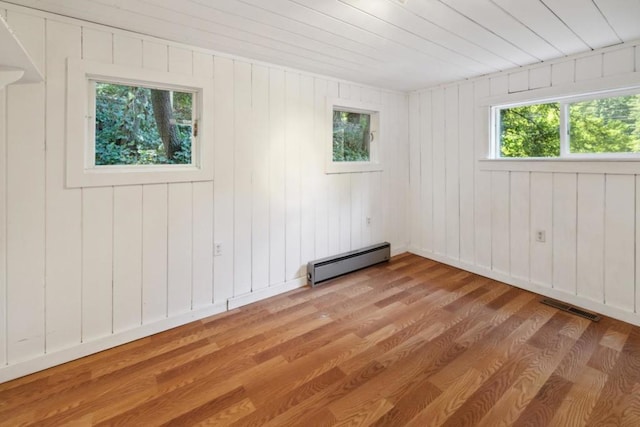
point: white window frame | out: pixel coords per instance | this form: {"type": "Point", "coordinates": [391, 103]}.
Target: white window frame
{"type": "Point", "coordinates": [81, 168]}
{"type": "Point", "coordinates": [376, 113]}
{"type": "Point", "coordinates": [565, 149]}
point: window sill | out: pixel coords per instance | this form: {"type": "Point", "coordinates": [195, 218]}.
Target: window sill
{"type": "Point", "coordinates": [577, 165]}
{"type": "Point", "coordinates": [353, 167]}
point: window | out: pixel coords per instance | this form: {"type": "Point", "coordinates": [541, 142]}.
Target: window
{"type": "Point", "coordinates": [603, 125]}
{"type": "Point", "coordinates": [132, 126]}
{"type": "Point", "coordinates": [530, 131]}
{"type": "Point", "coordinates": [351, 136]}
{"type": "Point", "coordinates": [354, 137]}
{"type": "Point", "coordinates": [136, 125]}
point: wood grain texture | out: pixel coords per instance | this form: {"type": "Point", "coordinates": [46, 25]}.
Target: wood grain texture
{"type": "Point", "coordinates": [411, 342]}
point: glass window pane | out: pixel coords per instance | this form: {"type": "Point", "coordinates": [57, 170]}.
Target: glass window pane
{"type": "Point", "coordinates": [607, 125]}
{"type": "Point", "coordinates": [139, 125]}
{"type": "Point", "coordinates": [351, 136]}
{"type": "Point", "coordinates": [530, 131]}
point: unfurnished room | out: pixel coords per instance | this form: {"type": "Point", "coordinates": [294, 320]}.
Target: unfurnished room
{"type": "Point", "coordinates": [320, 213]}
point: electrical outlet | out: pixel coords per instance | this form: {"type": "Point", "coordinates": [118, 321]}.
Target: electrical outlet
{"type": "Point", "coordinates": [217, 249]}
{"type": "Point", "coordinates": [541, 236]}
{"type": "Point", "coordinates": [368, 221]}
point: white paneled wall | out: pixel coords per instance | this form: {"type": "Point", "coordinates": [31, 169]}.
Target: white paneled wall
{"type": "Point", "coordinates": [85, 269]}
{"type": "Point", "coordinates": [483, 217]}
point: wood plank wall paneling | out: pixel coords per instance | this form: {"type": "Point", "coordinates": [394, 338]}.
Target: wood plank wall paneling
{"type": "Point", "coordinates": [619, 242]}
{"type": "Point", "coordinates": [482, 205]}
{"type": "Point", "coordinates": [417, 222]}
{"type": "Point", "coordinates": [500, 219]}
{"type": "Point", "coordinates": [63, 220]}
{"type": "Point", "coordinates": [26, 218]}
{"type": "Point", "coordinates": [223, 182]}
{"type": "Point", "coordinates": [242, 179]}
{"type": "Point", "coordinates": [541, 220]}
{"type": "Point", "coordinates": [260, 178]}
{"type": "Point", "coordinates": [564, 231]}
{"type": "Point", "coordinates": [466, 167]}
{"type": "Point", "coordinates": [439, 173]}
{"type": "Point", "coordinates": [3, 222]}
{"type": "Point", "coordinates": [154, 255]}
{"type": "Point", "coordinates": [322, 185]}
{"type": "Point", "coordinates": [590, 220]}
{"type": "Point", "coordinates": [86, 266]}
{"type": "Point", "coordinates": [292, 175]}
{"type": "Point", "coordinates": [97, 226]}
{"type": "Point", "coordinates": [590, 236]}
{"type": "Point", "coordinates": [519, 234]}
{"type": "Point", "coordinates": [306, 179]}
{"type": "Point", "coordinates": [452, 161]}
{"type": "Point", "coordinates": [203, 202]}
{"type": "Point", "coordinates": [127, 255]}
{"type": "Point", "coordinates": [276, 177]}
{"type": "Point", "coordinates": [180, 245]}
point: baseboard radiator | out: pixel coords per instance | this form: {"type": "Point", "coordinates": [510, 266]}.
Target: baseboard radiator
{"type": "Point", "coordinates": [327, 268]}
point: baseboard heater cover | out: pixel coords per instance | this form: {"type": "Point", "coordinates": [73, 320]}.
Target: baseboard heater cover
{"type": "Point", "coordinates": [327, 268]}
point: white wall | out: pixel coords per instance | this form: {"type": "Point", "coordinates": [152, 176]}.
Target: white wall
{"type": "Point", "coordinates": [482, 216]}
{"type": "Point", "coordinates": [85, 269]}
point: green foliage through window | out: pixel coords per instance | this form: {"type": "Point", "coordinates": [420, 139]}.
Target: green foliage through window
{"type": "Point", "coordinates": [351, 136]}
{"type": "Point", "coordinates": [603, 125]}
{"type": "Point", "coordinates": [607, 125]}
{"type": "Point", "coordinates": [141, 126]}
{"type": "Point", "coordinates": [530, 131]}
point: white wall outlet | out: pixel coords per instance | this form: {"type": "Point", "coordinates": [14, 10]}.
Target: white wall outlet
{"type": "Point", "coordinates": [368, 221]}
{"type": "Point", "coordinates": [217, 248]}
{"type": "Point", "coordinates": [541, 236]}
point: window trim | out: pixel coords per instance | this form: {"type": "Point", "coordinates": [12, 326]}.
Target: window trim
{"type": "Point", "coordinates": [564, 102]}
{"type": "Point", "coordinates": [81, 170]}
{"type": "Point", "coordinates": [374, 164]}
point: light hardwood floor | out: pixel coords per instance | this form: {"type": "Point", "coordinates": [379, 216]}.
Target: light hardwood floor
{"type": "Point", "coordinates": [408, 343]}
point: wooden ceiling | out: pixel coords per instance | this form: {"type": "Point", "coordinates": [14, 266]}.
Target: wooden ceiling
{"type": "Point", "coordinates": [397, 44]}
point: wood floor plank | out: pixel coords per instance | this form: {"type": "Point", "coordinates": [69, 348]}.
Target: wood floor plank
{"type": "Point", "coordinates": [631, 412]}
{"type": "Point", "coordinates": [543, 407]}
{"type": "Point", "coordinates": [229, 415]}
{"type": "Point", "coordinates": [508, 409]}
{"type": "Point", "coordinates": [294, 397]}
{"type": "Point", "coordinates": [409, 342]}
{"type": "Point", "coordinates": [575, 408]}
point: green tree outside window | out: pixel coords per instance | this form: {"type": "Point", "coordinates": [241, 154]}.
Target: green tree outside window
{"type": "Point", "coordinates": [140, 126]}
{"type": "Point", "coordinates": [605, 125]}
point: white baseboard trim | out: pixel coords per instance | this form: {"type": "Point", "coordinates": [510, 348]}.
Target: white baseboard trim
{"type": "Point", "coordinates": [260, 294]}
{"type": "Point", "coordinates": [264, 293]}
{"type": "Point", "coordinates": [48, 360]}
{"type": "Point", "coordinates": [399, 250]}
{"type": "Point", "coordinates": [577, 300]}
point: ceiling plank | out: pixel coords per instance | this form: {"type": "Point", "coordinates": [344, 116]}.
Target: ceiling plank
{"type": "Point", "coordinates": [537, 17]}
{"type": "Point", "coordinates": [623, 15]}
{"type": "Point", "coordinates": [356, 18]}
{"type": "Point", "coordinates": [240, 11]}
{"type": "Point", "coordinates": [191, 15]}
{"type": "Point", "coordinates": [444, 16]}
{"type": "Point", "coordinates": [395, 15]}
{"type": "Point", "coordinates": [506, 26]}
{"type": "Point", "coordinates": [585, 19]}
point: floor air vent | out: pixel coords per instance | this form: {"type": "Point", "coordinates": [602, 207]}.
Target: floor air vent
{"type": "Point", "coordinates": [328, 268]}
{"type": "Point", "coordinates": [570, 309]}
